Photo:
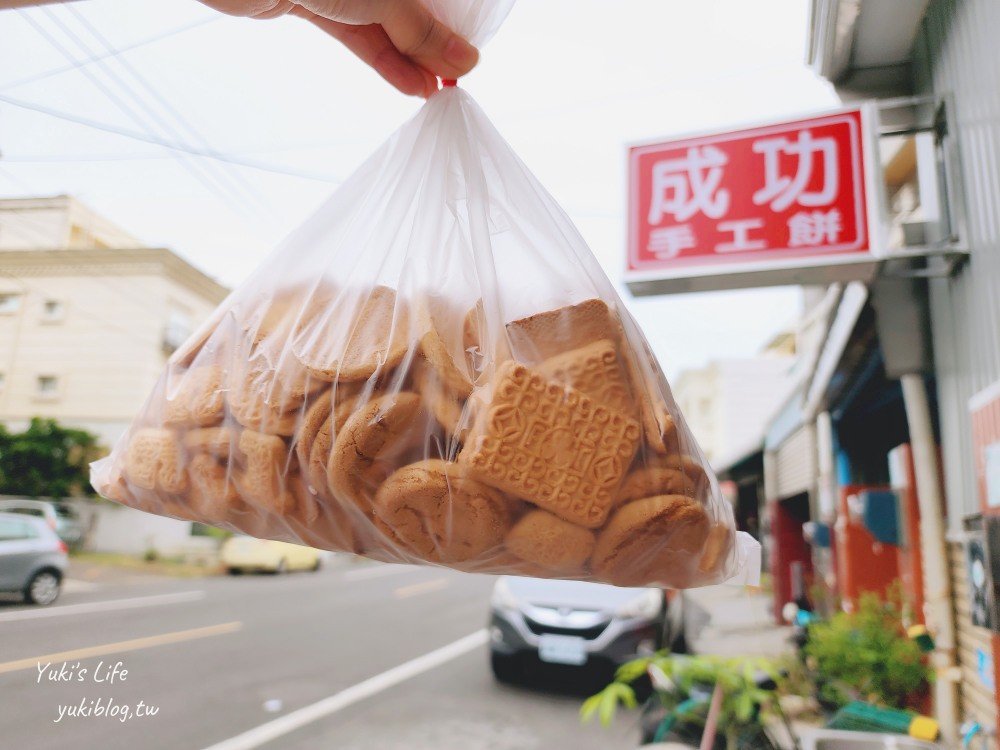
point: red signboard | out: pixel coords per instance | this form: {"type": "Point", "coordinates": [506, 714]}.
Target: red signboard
{"type": "Point", "coordinates": [789, 191]}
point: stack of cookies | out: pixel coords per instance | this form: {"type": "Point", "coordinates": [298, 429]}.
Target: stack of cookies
{"type": "Point", "coordinates": [410, 431]}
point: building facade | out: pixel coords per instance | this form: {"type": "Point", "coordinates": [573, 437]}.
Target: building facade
{"type": "Point", "coordinates": [88, 316]}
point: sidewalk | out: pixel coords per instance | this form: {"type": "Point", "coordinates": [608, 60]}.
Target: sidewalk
{"type": "Point", "coordinates": [733, 621]}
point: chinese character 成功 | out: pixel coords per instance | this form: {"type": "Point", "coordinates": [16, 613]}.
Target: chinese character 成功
{"type": "Point", "coordinates": [683, 187]}
{"type": "Point", "coordinates": [782, 191]}
{"type": "Point", "coordinates": [814, 228]}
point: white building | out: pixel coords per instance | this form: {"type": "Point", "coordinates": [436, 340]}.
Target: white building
{"type": "Point", "coordinates": [728, 402]}
{"type": "Point", "coordinates": [88, 316]}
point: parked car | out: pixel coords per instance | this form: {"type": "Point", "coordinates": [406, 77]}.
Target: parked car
{"type": "Point", "coordinates": [33, 559]}
{"type": "Point", "coordinates": [246, 554]}
{"type": "Point", "coordinates": [60, 517]}
{"type": "Point", "coordinates": [573, 623]}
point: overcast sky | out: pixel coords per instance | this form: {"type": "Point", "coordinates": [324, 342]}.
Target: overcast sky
{"type": "Point", "coordinates": [569, 83]}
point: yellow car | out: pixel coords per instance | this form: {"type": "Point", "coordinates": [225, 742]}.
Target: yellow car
{"type": "Point", "coordinates": [245, 553]}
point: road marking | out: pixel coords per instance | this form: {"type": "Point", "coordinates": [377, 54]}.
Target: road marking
{"type": "Point", "coordinates": [136, 644]}
{"type": "Point", "coordinates": [75, 584]}
{"type": "Point", "coordinates": [338, 701]}
{"type": "Point", "coordinates": [424, 587]}
{"type": "Point", "coordinates": [111, 604]}
{"type": "Point", "coordinates": [378, 571]}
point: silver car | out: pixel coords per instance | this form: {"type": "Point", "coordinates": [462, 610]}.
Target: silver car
{"type": "Point", "coordinates": [33, 559]}
{"type": "Point", "coordinates": [60, 517]}
{"type": "Point", "coordinates": [537, 623]}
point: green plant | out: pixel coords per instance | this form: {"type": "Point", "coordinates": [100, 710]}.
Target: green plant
{"type": "Point", "coordinates": [47, 460]}
{"type": "Point", "coordinates": [745, 705]}
{"type": "Point", "coordinates": [151, 555]}
{"type": "Point", "coordinates": [866, 655]}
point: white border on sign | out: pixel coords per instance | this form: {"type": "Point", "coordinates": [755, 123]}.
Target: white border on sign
{"type": "Point", "coordinates": [757, 260]}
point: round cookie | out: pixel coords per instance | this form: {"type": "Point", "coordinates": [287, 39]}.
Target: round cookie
{"type": "Point", "coordinates": [435, 511]}
{"type": "Point", "coordinates": [317, 413]}
{"type": "Point", "coordinates": [380, 427]}
{"type": "Point", "coordinates": [654, 480]}
{"type": "Point", "coordinates": [550, 542]}
{"type": "Point", "coordinates": [445, 405]}
{"type": "Point", "coordinates": [654, 540]}
{"type": "Point", "coordinates": [354, 341]}
{"type": "Point", "coordinates": [266, 393]}
{"type": "Point", "coordinates": [718, 546]}
{"type": "Point", "coordinates": [450, 371]}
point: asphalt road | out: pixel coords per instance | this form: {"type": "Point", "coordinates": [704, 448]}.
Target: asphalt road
{"type": "Point", "coordinates": [356, 656]}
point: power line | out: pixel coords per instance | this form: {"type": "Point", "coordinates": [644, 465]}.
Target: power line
{"type": "Point", "coordinates": [156, 141]}
{"type": "Point", "coordinates": [94, 58]}
{"type": "Point", "coordinates": [196, 170]}
{"type": "Point", "coordinates": [226, 171]}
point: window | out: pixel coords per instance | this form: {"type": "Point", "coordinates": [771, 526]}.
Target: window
{"type": "Point", "coordinates": [48, 386]}
{"type": "Point", "coordinates": [52, 311]}
{"type": "Point", "coordinates": [9, 303]}
{"type": "Point", "coordinates": [14, 530]}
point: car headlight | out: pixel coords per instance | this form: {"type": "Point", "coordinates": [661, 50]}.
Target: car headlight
{"type": "Point", "coordinates": [503, 597]}
{"type": "Point", "coordinates": [646, 606]}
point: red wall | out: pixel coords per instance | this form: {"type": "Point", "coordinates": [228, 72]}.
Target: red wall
{"type": "Point", "coordinates": [863, 564]}
{"type": "Point", "coordinates": [788, 546]}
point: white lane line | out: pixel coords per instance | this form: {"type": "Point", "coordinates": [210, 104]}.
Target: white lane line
{"type": "Point", "coordinates": [105, 606]}
{"type": "Point", "coordinates": [424, 587]}
{"type": "Point", "coordinates": [338, 701]}
{"type": "Point", "coordinates": [378, 571]}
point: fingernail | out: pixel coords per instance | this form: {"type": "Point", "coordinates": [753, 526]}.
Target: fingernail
{"type": "Point", "coordinates": [460, 53]}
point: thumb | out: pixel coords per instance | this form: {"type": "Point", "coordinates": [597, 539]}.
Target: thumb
{"type": "Point", "coordinates": [418, 35]}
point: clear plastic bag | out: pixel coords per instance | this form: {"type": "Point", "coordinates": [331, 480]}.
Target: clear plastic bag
{"type": "Point", "coordinates": [434, 369]}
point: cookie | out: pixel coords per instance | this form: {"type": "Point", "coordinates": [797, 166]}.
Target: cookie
{"type": "Point", "coordinates": [654, 480]}
{"type": "Point", "coordinates": [195, 397]}
{"type": "Point", "coordinates": [656, 540]}
{"type": "Point", "coordinates": [317, 413]}
{"type": "Point", "coordinates": [550, 542]}
{"type": "Point", "coordinates": [447, 408]}
{"type": "Point", "coordinates": [434, 510]}
{"type": "Point", "coordinates": [551, 445]}
{"type": "Point", "coordinates": [594, 369]}
{"type": "Point", "coordinates": [213, 441]}
{"type": "Point", "coordinates": [440, 346]}
{"type": "Point", "coordinates": [264, 465]}
{"type": "Point", "coordinates": [267, 392]}
{"type": "Point", "coordinates": [274, 317]}
{"type": "Point", "coordinates": [691, 467]}
{"type": "Point", "coordinates": [155, 461]}
{"type": "Point", "coordinates": [658, 426]}
{"type": "Point", "coordinates": [212, 492]}
{"type": "Point", "coordinates": [379, 427]}
{"type": "Point", "coordinates": [365, 333]}
{"type": "Point", "coordinates": [718, 546]}
{"type": "Point", "coordinates": [539, 337]}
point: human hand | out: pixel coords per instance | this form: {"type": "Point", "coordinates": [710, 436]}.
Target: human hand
{"type": "Point", "coordinates": [400, 39]}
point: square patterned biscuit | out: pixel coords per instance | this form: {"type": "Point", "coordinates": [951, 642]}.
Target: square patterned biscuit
{"type": "Point", "coordinates": [551, 445]}
{"type": "Point", "coordinates": [596, 370]}
{"type": "Point", "coordinates": [553, 332]}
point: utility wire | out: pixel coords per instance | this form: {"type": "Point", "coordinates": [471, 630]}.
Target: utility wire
{"type": "Point", "coordinates": [35, 78]}
{"type": "Point", "coordinates": [227, 173]}
{"type": "Point", "coordinates": [156, 141]}
{"type": "Point", "coordinates": [197, 170]}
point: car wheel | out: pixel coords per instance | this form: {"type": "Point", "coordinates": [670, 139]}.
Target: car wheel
{"type": "Point", "coordinates": [282, 567]}
{"type": "Point", "coordinates": [319, 564]}
{"type": "Point", "coordinates": [234, 571]}
{"type": "Point", "coordinates": [504, 669]}
{"type": "Point", "coordinates": [43, 588]}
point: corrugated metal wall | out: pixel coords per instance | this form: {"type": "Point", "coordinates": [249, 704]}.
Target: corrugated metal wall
{"type": "Point", "coordinates": [977, 698]}
{"type": "Point", "coordinates": [957, 54]}
{"type": "Point", "coordinates": [796, 464]}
